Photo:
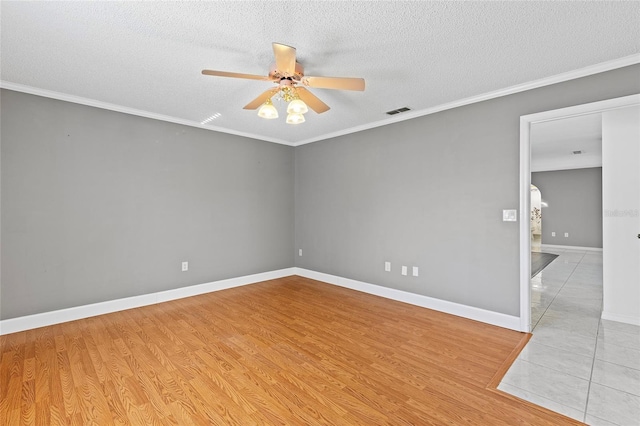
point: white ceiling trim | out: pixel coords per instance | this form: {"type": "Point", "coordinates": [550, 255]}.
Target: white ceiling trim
{"type": "Point", "coordinates": [551, 166]}
{"type": "Point", "coordinates": [559, 78]}
{"type": "Point", "coordinates": [119, 108]}
{"type": "Point", "coordinates": [571, 75]}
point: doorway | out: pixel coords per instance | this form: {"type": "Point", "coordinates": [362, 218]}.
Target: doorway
{"type": "Point", "coordinates": [525, 186]}
{"type": "Point", "coordinates": [536, 219]}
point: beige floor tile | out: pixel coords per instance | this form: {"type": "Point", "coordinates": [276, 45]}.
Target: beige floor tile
{"type": "Point", "coordinates": [613, 405]}
{"type": "Point", "coordinates": [573, 352]}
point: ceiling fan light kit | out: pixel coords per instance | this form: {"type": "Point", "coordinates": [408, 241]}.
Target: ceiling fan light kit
{"type": "Point", "coordinates": [289, 76]}
{"type": "Point", "coordinates": [268, 111]}
{"type": "Point", "coordinates": [295, 118]}
{"type": "Point", "coordinates": [295, 109]}
{"type": "Point", "coordinates": [296, 106]}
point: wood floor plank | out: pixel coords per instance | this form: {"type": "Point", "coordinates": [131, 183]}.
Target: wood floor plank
{"type": "Point", "coordinates": [43, 412]}
{"type": "Point", "coordinates": [286, 351]}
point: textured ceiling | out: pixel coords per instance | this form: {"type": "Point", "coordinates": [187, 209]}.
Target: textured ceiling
{"type": "Point", "coordinates": [148, 55]}
{"type": "Point", "coordinates": [553, 143]}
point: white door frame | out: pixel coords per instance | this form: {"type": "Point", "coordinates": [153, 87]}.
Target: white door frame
{"type": "Point", "coordinates": [525, 186]}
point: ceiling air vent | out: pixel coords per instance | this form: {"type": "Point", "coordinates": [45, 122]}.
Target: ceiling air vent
{"type": "Point", "coordinates": [398, 111]}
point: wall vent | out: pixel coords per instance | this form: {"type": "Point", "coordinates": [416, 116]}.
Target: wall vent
{"type": "Point", "coordinates": [398, 111]}
{"type": "Point", "coordinates": [577, 152]}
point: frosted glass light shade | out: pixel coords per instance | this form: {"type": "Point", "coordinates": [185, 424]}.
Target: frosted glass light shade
{"type": "Point", "coordinates": [296, 106]}
{"type": "Point", "coordinates": [295, 118]}
{"type": "Point", "coordinates": [268, 111]}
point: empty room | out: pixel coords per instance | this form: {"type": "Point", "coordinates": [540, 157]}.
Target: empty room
{"type": "Point", "coordinates": [319, 212]}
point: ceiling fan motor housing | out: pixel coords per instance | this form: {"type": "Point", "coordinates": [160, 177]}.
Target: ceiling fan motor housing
{"type": "Point", "coordinates": [277, 75]}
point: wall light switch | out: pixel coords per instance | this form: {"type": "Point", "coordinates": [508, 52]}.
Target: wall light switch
{"type": "Point", "coordinates": [509, 215]}
{"type": "Point", "coordinates": [566, 235]}
{"type": "Point", "coordinates": [299, 252]}
{"type": "Point", "coordinates": [553, 234]}
{"type": "Point", "coordinates": [387, 266]}
{"type": "Point", "coordinates": [404, 270]}
{"type": "Point", "coordinates": [415, 271]}
{"type": "Point", "coordinates": [185, 266]}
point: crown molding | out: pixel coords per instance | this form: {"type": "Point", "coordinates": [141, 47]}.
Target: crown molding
{"type": "Point", "coordinates": [558, 78]}
{"type": "Point", "coordinates": [127, 110]}
{"type": "Point", "coordinates": [551, 166]}
{"type": "Point", "coordinates": [547, 81]}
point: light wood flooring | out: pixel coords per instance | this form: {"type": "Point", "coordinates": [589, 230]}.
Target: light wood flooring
{"type": "Point", "coordinates": [290, 351]}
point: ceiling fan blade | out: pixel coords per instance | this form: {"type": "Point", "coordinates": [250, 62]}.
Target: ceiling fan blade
{"type": "Point", "coordinates": [340, 83]}
{"type": "Point", "coordinates": [285, 58]}
{"type": "Point", "coordinates": [261, 99]}
{"type": "Point", "coordinates": [312, 100]}
{"type": "Point", "coordinates": [236, 75]}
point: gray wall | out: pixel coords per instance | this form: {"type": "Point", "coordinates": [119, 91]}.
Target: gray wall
{"type": "Point", "coordinates": [575, 206]}
{"type": "Point", "coordinates": [99, 205]}
{"type": "Point", "coordinates": [429, 192]}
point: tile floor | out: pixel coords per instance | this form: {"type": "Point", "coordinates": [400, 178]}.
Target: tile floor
{"type": "Point", "coordinates": [576, 363]}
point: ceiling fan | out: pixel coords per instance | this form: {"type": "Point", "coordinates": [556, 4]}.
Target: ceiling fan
{"type": "Point", "coordinates": [291, 86]}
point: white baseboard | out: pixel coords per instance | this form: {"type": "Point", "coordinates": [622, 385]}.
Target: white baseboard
{"type": "Point", "coordinates": [29, 322]}
{"type": "Point", "coordinates": [470, 312]}
{"type": "Point", "coordinates": [621, 318]}
{"type": "Point", "coordinates": [552, 246]}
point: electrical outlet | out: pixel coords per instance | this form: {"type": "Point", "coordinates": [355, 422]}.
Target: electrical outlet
{"type": "Point", "coordinates": [415, 271]}
{"type": "Point", "coordinates": [510, 215]}
{"type": "Point", "coordinates": [553, 234]}
{"type": "Point", "coordinates": [387, 266]}
{"type": "Point", "coordinates": [566, 235]}
{"type": "Point", "coordinates": [404, 270]}
{"type": "Point", "coordinates": [185, 266]}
